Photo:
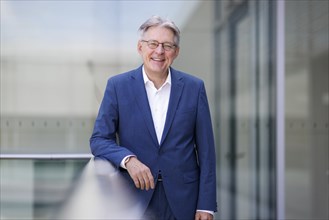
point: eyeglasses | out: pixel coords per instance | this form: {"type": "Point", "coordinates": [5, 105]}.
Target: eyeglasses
{"type": "Point", "coordinates": [153, 44]}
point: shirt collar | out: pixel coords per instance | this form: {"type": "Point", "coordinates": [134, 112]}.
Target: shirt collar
{"type": "Point", "coordinates": [146, 79]}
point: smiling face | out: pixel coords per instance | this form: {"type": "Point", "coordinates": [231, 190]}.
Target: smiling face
{"type": "Point", "coordinates": [158, 60]}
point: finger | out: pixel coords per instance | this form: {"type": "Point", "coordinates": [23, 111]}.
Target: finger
{"type": "Point", "coordinates": [136, 181]}
{"type": "Point", "coordinates": [197, 216]}
{"type": "Point", "coordinates": [142, 183]}
{"type": "Point", "coordinates": [151, 180]}
{"type": "Point", "coordinates": [148, 179]}
{"type": "Point", "coordinates": [203, 216]}
{"type": "Point", "coordinates": [147, 183]}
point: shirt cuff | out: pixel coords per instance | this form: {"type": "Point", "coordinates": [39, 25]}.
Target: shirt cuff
{"type": "Point", "coordinates": [124, 160]}
{"type": "Point", "coordinates": [208, 211]}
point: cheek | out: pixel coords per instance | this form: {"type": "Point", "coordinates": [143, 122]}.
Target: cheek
{"type": "Point", "coordinates": [144, 56]}
{"type": "Point", "coordinates": [171, 59]}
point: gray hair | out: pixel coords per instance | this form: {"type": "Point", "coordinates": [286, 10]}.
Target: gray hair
{"type": "Point", "coordinates": [157, 21]}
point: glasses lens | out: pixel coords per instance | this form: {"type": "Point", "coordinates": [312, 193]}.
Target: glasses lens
{"type": "Point", "coordinates": [153, 44]}
{"type": "Point", "coordinates": [168, 46]}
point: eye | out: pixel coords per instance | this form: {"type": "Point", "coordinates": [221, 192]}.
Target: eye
{"type": "Point", "coordinates": [168, 46]}
{"type": "Point", "coordinates": [153, 44]}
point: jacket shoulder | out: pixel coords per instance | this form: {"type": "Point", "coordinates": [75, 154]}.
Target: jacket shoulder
{"type": "Point", "coordinates": [123, 76]}
{"type": "Point", "coordinates": [187, 77]}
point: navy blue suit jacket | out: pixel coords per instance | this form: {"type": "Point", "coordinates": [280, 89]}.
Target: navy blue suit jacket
{"type": "Point", "coordinates": [186, 153]}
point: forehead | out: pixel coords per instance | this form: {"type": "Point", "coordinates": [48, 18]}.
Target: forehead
{"type": "Point", "coordinates": [159, 33]}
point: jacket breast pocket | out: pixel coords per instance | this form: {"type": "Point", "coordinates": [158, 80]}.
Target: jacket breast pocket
{"type": "Point", "coordinates": [185, 111]}
{"type": "Point", "coordinates": [184, 122]}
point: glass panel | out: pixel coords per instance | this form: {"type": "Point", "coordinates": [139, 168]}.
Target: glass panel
{"type": "Point", "coordinates": [244, 101]}
{"type": "Point", "coordinates": [48, 98]}
{"type": "Point", "coordinates": [222, 123]}
{"type": "Point", "coordinates": [222, 8]}
{"type": "Point", "coordinates": [265, 137]}
{"type": "Point", "coordinates": [35, 189]}
{"type": "Point", "coordinates": [56, 57]}
{"type": "Point", "coordinates": [245, 108]}
{"type": "Point", "coordinates": [307, 107]}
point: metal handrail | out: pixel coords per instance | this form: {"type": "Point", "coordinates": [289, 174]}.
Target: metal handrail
{"type": "Point", "coordinates": [45, 156]}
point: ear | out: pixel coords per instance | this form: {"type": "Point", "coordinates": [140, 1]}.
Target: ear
{"type": "Point", "coordinates": [177, 52]}
{"type": "Point", "coordinates": [139, 47]}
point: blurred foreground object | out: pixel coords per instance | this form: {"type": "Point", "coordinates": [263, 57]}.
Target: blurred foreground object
{"type": "Point", "coordinates": [100, 193]}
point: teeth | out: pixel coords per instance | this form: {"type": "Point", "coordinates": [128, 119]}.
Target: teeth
{"type": "Point", "coordinates": [157, 59]}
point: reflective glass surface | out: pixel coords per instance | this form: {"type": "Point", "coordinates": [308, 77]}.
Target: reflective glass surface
{"type": "Point", "coordinates": [307, 109]}
{"type": "Point", "coordinates": [244, 97]}
{"type": "Point", "coordinates": [56, 57]}
{"type": "Point", "coordinates": [36, 189]}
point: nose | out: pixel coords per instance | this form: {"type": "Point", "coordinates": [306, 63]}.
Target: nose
{"type": "Point", "coordinates": [160, 48]}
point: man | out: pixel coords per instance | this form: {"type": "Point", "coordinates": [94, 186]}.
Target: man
{"type": "Point", "coordinates": [154, 125]}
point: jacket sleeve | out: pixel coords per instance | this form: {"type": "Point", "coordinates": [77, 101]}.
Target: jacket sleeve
{"type": "Point", "coordinates": [206, 154]}
{"type": "Point", "coordinates": [104, 142]}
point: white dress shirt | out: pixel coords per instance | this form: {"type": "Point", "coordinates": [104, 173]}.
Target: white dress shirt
{"type": "Point", "coordinates": [158, 101]}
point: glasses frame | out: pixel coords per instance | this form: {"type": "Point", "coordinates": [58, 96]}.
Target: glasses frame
{"type": "Point", "coordinates": [153, 44]}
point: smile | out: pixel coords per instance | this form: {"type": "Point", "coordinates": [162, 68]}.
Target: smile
{"type": "Point", "coordinates": [157, 59]}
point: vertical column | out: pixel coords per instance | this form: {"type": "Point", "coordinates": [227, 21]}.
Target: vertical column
{"type": "Point", "coordinates": [280, 108]}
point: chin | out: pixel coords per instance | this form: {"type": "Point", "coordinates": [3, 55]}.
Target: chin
{"type": "Point", "coordinates": [158, 69]}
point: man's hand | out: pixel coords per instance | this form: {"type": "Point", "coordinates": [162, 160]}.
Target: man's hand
{"type": "Point", "coordinates": [140, 174]}
{"type": "Point", "coordinates": [203, 216]}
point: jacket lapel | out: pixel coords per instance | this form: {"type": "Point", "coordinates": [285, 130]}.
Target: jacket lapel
{"type": "Point", "coordinates": [138, 89]}
{"type": "Point", "coordinates": [177, 85]}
